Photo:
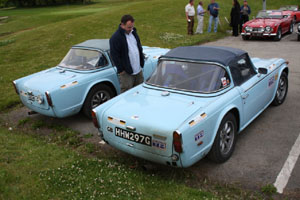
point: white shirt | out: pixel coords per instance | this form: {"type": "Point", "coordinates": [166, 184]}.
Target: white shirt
{"type": "Point", "coordinates": [133, 53]}
{"type": "Point", "coordinates": [190, 10]}
{"type": "Point", "coordinates": [200, 10]}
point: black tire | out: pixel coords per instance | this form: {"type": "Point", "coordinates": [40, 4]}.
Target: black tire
{"type": "Point", "coordinates": [245, 37]}
{"type": "Point", "coordinates": [298, 37]}
{"type": "Point", "coordinates": [96, 96]}
{"type": "Point", "coordinates": [281, 90]}
{"type": "Point", "coordinates": [225, 140]}
{"type": "Point", "coordinates": [278, 34]}
{"type": "Point", "coordinates": [291, 29]}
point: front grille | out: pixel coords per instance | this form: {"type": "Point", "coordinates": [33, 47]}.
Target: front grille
{"type": "Point", "coordinates": [258, 29]}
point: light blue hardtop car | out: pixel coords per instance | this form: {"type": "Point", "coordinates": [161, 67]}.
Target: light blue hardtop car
{"type": "Point", "coordinates": [194, 104]}
{"type": "Point", "coordinates": [84, 79]}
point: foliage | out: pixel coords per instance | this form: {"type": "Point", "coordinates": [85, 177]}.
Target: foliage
{"type": "Point", "coordinates": [269, 189]}
{"type": "Point", "coordinates": [34, 3]}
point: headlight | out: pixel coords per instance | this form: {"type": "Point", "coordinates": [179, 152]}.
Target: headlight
{"type": "Point", "coordinates": [40, 99]}
{"type": "Point", "coordinates": [268, 29]}
{"type": "Point", "coordinates": [247, 28]}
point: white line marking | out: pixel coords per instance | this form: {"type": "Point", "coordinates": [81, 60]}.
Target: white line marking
{"type": "Point", "coordinates": [285, 173]}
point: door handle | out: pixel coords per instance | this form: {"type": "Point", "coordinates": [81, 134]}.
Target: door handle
{"type": "Point", "coordinates": [245, 96]}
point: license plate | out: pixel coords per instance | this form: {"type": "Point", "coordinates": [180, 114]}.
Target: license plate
{"type": "Point", "coordinates": [257, 34]}
{"type": "Point", "coordinates": [134, 137]}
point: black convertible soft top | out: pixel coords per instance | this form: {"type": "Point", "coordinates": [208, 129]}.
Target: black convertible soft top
{"type": "Point", "coordinates": [222, 55]}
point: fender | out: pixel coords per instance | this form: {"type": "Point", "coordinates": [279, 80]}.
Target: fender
{"type": "Point", "coordinates": [220, 118]}
{"type": "Point", "coordinates": [286, 69]}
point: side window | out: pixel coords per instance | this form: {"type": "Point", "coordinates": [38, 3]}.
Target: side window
{"type": "Point", "coordinates": [241, 70]}
{"type": "Point", "coordinates": [102, 61]}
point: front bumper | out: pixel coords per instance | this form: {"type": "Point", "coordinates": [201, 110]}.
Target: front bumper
{"type": "Point", "coordinates": [259, 34]}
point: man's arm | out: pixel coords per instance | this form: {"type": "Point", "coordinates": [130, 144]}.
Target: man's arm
{"type": "Point", "coordinates": [115, 53]}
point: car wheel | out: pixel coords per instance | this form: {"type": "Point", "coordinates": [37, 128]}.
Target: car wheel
{"type": "Point", "coordinates": [291, 28]}
{"type": "Point", "coordinates": [298, 37]}
{"type": "Point", "coordinates": [96, 96]}
{"type": "Point", "coordinates": [282, 90]}
{"type": "Point", "coordinates": [245, 37]}
{"type": "Point", "coordinates": [225, 140]}
{"type": "Point", "coordinates": [278, 35]}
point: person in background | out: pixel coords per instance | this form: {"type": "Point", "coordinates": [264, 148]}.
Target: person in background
{"type": "Point", "coordinates": [245, 12]}
{"type": "Point", "coordinates": [127, 54]}
{"type": "Point", "coordinates": [213, 9]}
{"type": "Point", "coordinates": [190, 13]}
{"type": "Point", "coordinates": [200, 17]}
{"type": "Point", "coordinates": [235, 17]}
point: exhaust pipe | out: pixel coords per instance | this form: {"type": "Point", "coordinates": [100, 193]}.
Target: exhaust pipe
{"type": "Point", "coordinates": [32, 112]}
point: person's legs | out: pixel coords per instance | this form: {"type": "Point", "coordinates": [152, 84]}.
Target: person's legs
{"type": "Point", "coordinates": [126, 81]}
{"type": "Point", "coordinates": [209, 23]}
{"type": "Point", "coordinates": [235, 31]}
{"type": "Point", "coordinates": [198, 25]}
{"type": "Point", "coordinates": [201, 24]}
{"type": "Point", "coordinates": [138, 78]}
{"type": "Point", "coordinates": [216, 20]}
{"type": "Point", "coordinates": [192, 24]}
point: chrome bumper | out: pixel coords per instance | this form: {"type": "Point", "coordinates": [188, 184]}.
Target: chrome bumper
{"type": "Point", "coordinates": [259, 34]}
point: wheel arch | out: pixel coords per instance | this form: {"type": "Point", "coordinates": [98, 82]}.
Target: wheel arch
{"type": "Point", "coordinates": [230, 109]}
{"type": "Point", "coordinates": [102, 82]}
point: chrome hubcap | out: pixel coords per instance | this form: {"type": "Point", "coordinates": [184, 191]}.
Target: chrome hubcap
{"type": "Point", "coordinates": [226, 137]}
{"type": "Point", "coordinates": [281, 90]}
{"type": "Point", "coordinates": [99, 98]}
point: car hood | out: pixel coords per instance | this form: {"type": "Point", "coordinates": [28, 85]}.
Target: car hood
{"type": "Point", "coordinates": [154, 52]}
{"type": "Point", "coordinates": [263, 22]}
{"type": "Point", "coordinates": [52, 78]}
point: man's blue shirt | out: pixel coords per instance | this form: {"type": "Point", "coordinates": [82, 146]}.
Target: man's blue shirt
{"type": "Point", "coordinates": [211, 9]}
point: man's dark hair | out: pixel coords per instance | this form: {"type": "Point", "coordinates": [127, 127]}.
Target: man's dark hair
{"type": "Point", "coordinates": [126, 18]}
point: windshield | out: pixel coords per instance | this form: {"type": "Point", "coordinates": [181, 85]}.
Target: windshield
{"type": "Point", "coordinates": [269, 14]}
{"type": "Point", "coordinates": [83, 59]}
{"type": "Point", "coordinates": [292, 8]}
{"type": "Point", "coordinates": [196, 77]}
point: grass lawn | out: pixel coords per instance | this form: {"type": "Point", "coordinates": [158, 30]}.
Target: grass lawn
{"type": "Point", "coordinates": [31, 168]}
{"type": "Point", "coordinates": [34, 39]}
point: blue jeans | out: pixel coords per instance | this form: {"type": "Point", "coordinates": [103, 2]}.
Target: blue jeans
{"type": "Point", "coordinates": [216, 21]}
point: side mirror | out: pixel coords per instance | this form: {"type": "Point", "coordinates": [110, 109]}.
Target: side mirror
{"type": "Point", "coordinates": [262, 70]}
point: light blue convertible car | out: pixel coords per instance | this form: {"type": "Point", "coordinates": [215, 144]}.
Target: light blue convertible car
{"type": "Point", "coordinates": [194, 104]}
{"type": "Point", "coordinates": [84, 79]}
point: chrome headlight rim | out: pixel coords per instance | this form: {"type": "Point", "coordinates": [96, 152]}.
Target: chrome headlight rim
{"type": "Point", "coordinates": [248, 29]}
{"type": "Point", "coordinates": [268, 29]}
{"type": "Point", "coordinates": [40, 99]}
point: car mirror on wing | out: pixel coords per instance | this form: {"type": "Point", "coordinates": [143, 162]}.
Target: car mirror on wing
{"type": "Point", "coordinates": [262, 70]}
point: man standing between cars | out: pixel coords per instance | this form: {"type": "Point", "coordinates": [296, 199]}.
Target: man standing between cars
{"type": "Point", "coordinates": [213, 9]}
{"type": "Point", "coordinates": [245, 12]}
{"type": "Point", "coordinates": [190, 13]}
{"type": "Point", "coordinates": [127, 54]}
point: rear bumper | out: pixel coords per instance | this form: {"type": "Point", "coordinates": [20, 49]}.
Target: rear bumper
{"type": "Point", "coordinates": [165, 160]}
{"type": "Point", "coordinates": [51, 111]}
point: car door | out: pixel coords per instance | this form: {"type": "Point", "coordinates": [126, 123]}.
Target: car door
{"type": "Point", "coordinates": [251, 87]}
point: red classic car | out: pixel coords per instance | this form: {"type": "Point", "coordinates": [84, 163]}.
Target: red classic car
{"type": "Point", "coordinates": [268, 23]}
{"type": "Point", "coordinates": [292, 10]}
